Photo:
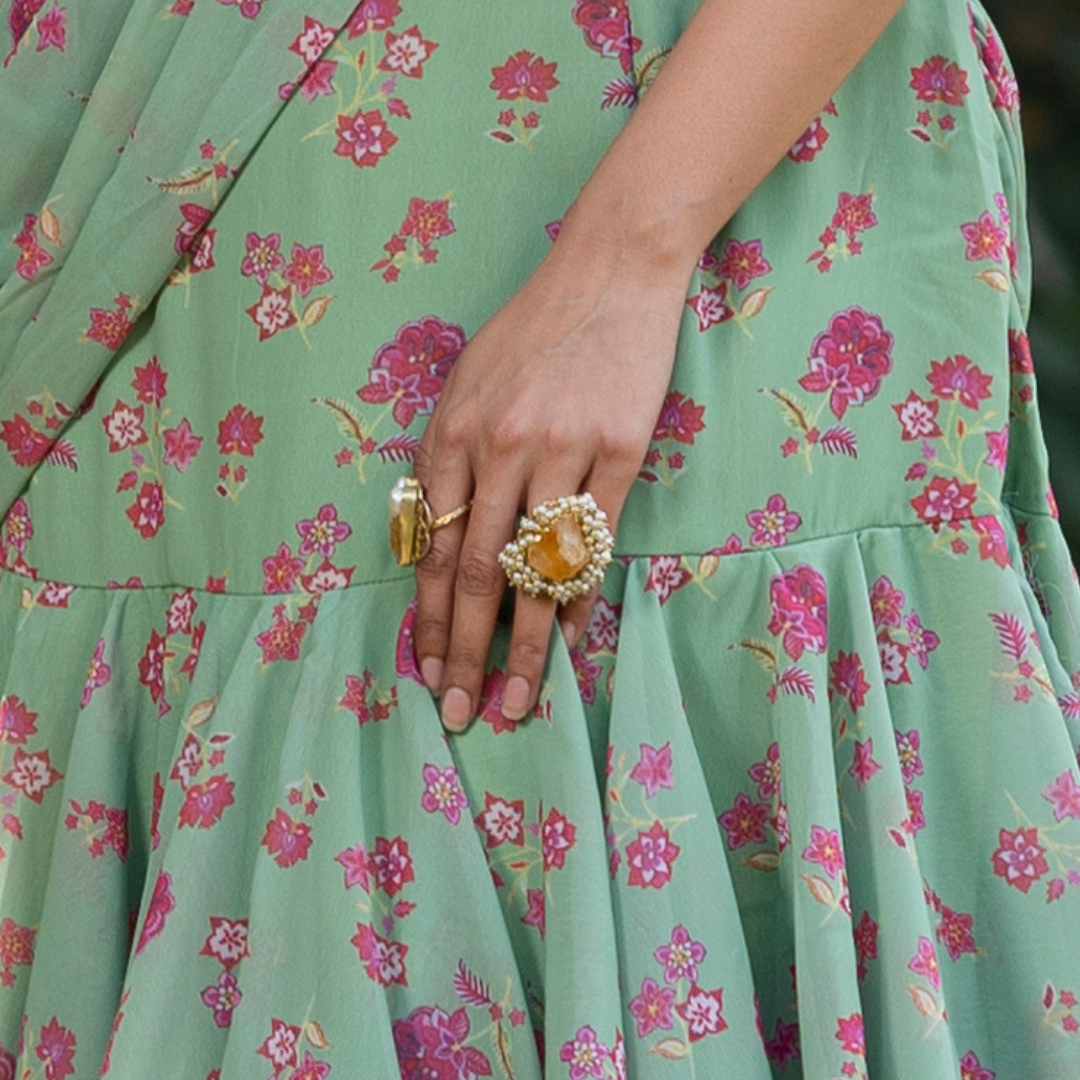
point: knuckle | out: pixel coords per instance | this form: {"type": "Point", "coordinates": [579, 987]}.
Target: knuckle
{"type": "Point", "coordinates": [527, 656]}
{"type": "Point", "coordinates": [438, 563]}
{"type": "Point", "coordinates": [463, 666]}
{"type": "Point", "coordinates": [560, 440]}
{"type": "Point", "coordinates": [507, 434]}
{"type": "Point", "coordinates": [454, 428]}
{"type": "Point", "coordinates": [618, 446]}
{"type": "Point", "coordinates": [431, 630]}
{"type": "Point", "coordinates": [479, 575]}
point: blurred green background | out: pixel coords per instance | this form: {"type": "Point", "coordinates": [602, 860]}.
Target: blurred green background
{"type": "Point", "coordinates": [1042, 38]}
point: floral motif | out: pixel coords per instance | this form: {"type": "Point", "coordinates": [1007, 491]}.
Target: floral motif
{"type": "Point", "coordinates": [414, 242]}
{"type": "Point", "coordinates": [726, 272]}
{"type": "Point", "coordinates": [853, 216]}
{"type": "Point", "coordinates": [940, 86]}
{"type": "Point", "coordinates": [523, 77]}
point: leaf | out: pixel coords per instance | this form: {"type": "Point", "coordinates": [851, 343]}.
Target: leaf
{"type": "Point", "coordinates": [26, 598]}
{"type": "Point", "coordinates": [793, 409]}
{"type": "Point", "coordinates": [400, 448]}
{"type": "Point", "coordinates": [672, 1049]}
{"type": "Point", "coordinates": [506, 1059]}
{"type": "Point", "coordinates": [315, 310]}
{"type": "Point", "coordinates": [650, 67]}
{"type": "Point", "coordinates": [621, 91]}
{"type": "Point", "coordinates": [925, 1002]}
{"type": "Point", "coordinates": [763, 860]}
{"type": "Point", "coordinates": [221, 738]}
{"type": "Point", "coordinates": [919, 134]}
{"type": "Point", "coordinates": [315, 1035]}
{"type": "Point", "coordinates": [995, 279]}
{"type": "Point", "coordinates": [345, 416]}
{"type": "Point", "coordinates": [471, 989]}
{"type": "Point", "coordinates": [1011, 634]}
{"type": "Point", "coordinates": [753, 302]}
{"type": "Point", "coordinates": [839, 440]}
{"type": "Point", "coordinates": [760, 651]}
{"type": "Point", "coordinates": [819, 888]}
{"type": "Point", "coordinates": [13, 825]}
{"type": "Point", "coordinates": [201, 711]}
{"type": "Point", "coordinates": [707, 566]}
{"type": "Point", "coordinates": [1070, 705]}
{"type": "Point", "coordinates": [63, 453]}
{"type": "Point", "coordinates": [796, 681]}
{"type": "Point", "coordinates": [195, 179]}
{"type": "Point", "coordinates": [49, 224]}
{"type": "Point", "coordinates": [502, 135]}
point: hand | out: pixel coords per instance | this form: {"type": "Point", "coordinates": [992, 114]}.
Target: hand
{"type": "Point", "coordinates": [557, 392]}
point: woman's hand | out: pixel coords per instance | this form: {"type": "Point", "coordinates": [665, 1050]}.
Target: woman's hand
{"type": "Point", "coordinates": [557, 393]}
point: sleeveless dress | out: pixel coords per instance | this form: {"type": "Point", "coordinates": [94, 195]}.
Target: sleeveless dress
{"type": "Point", "coordinates": [803, 803]}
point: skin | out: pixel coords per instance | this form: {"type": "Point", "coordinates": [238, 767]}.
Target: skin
{"type": "Point", "coordinates": [560, 389]}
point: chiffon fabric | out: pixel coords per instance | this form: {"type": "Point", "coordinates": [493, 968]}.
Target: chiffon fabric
{"type": "Point", "coordinates": [803, 803]}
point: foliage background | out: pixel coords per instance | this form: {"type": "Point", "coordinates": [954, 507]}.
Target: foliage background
{"type": "Point", "coordinates": [1042, 37]}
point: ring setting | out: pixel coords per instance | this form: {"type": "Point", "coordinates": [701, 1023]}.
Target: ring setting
{"type": "Point", "coordinates": [412, 522]}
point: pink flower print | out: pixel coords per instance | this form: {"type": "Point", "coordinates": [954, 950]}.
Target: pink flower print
{"type": "Point", "coordinates": [921, 641]}
{"type": "Point", "coordinates": [971, 1069]}
{"type": "Point", "coordinates": [110, 327]}
{"type": "Point", "coordinates": [651, 1008]}
{"type": "Point", "coordinates": [653, 770]}
{"type": "Point", "coordinates": [825, 850]}
{"type": "Point", "coordinates": [924, 963]}
{"type": "Point", "coordinates": [96, 677]}
{"type": "Point", "coordinates": [558, 837]}
{"type": "Point", "coordinates": [502, 821]}
{"type": "Point", "coordinates": [17, 722]}
{"type": "Point", "coordinates": [957, 378]}
{"type": "Point", "coordinates": [443, 793]}
{"type": "Point", "coordinates": [410, 370]}
{"type": "Point", "coordinates": [585, 1054]}
{"type": "Point", "coordinates": [954, 932]}
{"type": "Point", "coordinates": [742, 263]}
{"type": "Point", "coordinates": [272, 312]}
{"type": "Point", "coordinates": [227, 941]}
{"type": "Point", "coordinates": [282, 640]}
{"type": "Point", "coordinates": [279, 1047]}
{"type": "Point", "coordinates": [784, 1045]}
{"type": "Point", "coordinates": [1021, 361]}
{"type": "Point", "coordinates": [312, 41]}
{"type": "Point", "coordinates": [392, 864]}
{"type": "Point", "coordinates": [863, 765]}
{"type": "Point", "coordinates": [535, 915]}
{"type": "Point", "coordinates": [205, 803]}
{"type": "Point", "coordinates": [223, 997]}
{"type": "Point", "coordinates": [907, 748]}
{"type": "Point", "coordinates": [384, 960]}
{"type": "Point", "coordinates": [373, 15]}
{"type": "Point", "coordinates": [997, 448]}
{"type": "Point", "coordinates": [886, 602]}
{"type": "Point", "coordinates": [586, 673]}
{"type": "Point", "coordinates": [701, 1011]}
{"type": "Point", "coordinates": [286, 840]}
{"type": "Point", "coordinates": [666, 575]}
{"type": "Point", "coordinates": [407, 52]}
{"type": "Point", "coordinates": [322, 533]}
{"type": "Point", "coordinates": [364, 138]}
{"type": "Point", "coordinates": [848, 680]}
{"type": "Point", "coordinates": [781, 826]}
{"type": "Point", "coordinates": [710, 306]}
{"type": "Point", "coordinates": [147, 512]}
{"type": "Point", "coordinates": [55, 594]}
{"type": "Point", "coordinates": [33, 773]}
{"type": "Point", "coordinates": [1020, 859]}
{"type": "Point", "coordinates": [239, 432]}
{"type": "Point", "coordinates": [317, 81]}
{"type": "Point", "coordinates": [524, 75]}
{"type": "Point", "coordinates": [182, 609]}
{"type": "Point", "coordinates": [799, 599]}
{"type": "Point", "coordinates": [681, 956]}
{"type": "Point", "coordinates": [985, 238]}
{"type": "Point", "coordinates": [1064, 796]}
{"type": "Point", "coordinates": [149, 383]}
{"type": "Point", "coordinates": [865, 933]}
{"type": "Point", "coordinates": [248, 8]}
{"type": "Point", "coordinates": [280, 570]}
{"type": "Point", "coordinates": [27, 445]}
{"type": "Point", "coordinates": [152, 665]}
{"type": "Point", "coordinates": [16, 949]}
{"type": "Point", "coordinates": [651, 856]}
{"type": "Point", "coordinates": [263, 256]}
{"type": "Point", "coordinates": [810, 143]}
{"type": "Point", "coordinates": [124, 427]}
{"type": "Point", "coordinates": [310, 1069]}
{"type": "Point", "coordinates": [19, 529]}
{"type": "Point", "coordinates": [357, 866]}
{"type": "Point", "coordinates": [918, 418]}
{"type": "Point", "coordinates": [161, 903]}
{"type": "Point", "coordinates": [849, 1030]}
{"type": "Point", "coordinates": [181, 445]}
{"type": "Point", "coordinates": [945, 501]}
{"type": "Point", "coordinates": [939, 79]}
{"type": "Point", "coordinates": [189, 232]}
{"type": "Point", "coordinates": [766, 773]}
{"type": "Point", "coordinates": [772, 524]}
{"type": "Point", "coordinates": [203, 258]}
{"type": "Point", "coordinates": [602, 630]}
{"type": "Point", "coordinates": [744, 822]}
{"type": "Point", "coordinates": [916, 819]}
{"type": "Point", "coordinates": [849, 359]}
{"type": "Point", "coordinates": [306, 268]}
{"type": "Point", "coordinates": [325, 577]}
{"type": "Point", "coordinates": [679, 419]}
{"type": "Point", "coordinates": [605, 25]}
{"type": "Point", "coordinates": [56, 1048]}
{"type": "Point", "coordinates": [427, 221]}
{"type": "Point", "coordinates": [854, 213]}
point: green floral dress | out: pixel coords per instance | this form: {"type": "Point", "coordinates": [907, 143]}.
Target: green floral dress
{"type": "Point", "coordinates": [804, 803]}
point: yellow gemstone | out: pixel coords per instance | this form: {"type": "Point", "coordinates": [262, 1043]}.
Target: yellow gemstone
{"type": "Point", "coordinates": [561, 550]}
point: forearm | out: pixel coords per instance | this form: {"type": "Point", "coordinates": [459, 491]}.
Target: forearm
{"type": "Point", "coordinates": [741, 84]}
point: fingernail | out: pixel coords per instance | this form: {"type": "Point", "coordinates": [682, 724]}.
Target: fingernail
{"type": "Point", "coordinates": [431, 667]}
{"type": "Point", "coordinates": [456, 708]}
{"type": "Point", "coordinates": [515, 699]}
{"type": "Point", "coordinates": [568, 633]}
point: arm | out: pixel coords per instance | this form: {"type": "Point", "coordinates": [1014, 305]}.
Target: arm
{"type": "Point", "coordinates": [521, 419]}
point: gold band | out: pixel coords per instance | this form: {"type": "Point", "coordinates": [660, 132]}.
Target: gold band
{"type": "Point", "coordinates": [411, 521]}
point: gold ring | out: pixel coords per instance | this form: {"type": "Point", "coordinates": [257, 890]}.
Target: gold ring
{"type": "Point", "coordinates": [411, 522]}
{"type": "Point", "coordinates": [561, 548]}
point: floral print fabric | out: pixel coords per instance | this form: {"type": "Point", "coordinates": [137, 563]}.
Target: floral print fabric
{"type": "Point", "coordinates": [804, 802]}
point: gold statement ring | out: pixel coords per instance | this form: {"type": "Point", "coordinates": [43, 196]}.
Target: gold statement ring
{"type": "Point", "coordinates": [411, 520]}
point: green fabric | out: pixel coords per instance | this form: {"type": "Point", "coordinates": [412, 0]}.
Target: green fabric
{"type": "Point", "coordinates": [822, 730]}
